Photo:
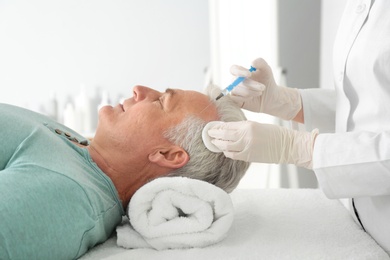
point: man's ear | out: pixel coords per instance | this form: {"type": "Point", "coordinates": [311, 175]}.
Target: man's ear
{"type": "Point", "coordinates": [173, 157]}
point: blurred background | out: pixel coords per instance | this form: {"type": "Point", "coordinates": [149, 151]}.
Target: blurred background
{"type": "Point", "coordinates": [66, 58]}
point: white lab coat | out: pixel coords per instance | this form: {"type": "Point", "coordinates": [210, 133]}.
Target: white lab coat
{"type": "Point", "coordinates": [353, 160]}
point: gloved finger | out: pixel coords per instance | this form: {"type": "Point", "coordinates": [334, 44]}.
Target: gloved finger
{"type": "Point", "coordinates": [248, 103]}
{"type": "Point", "coordinates": [235, 125]}
{"type": "Point", "coordinates": [228, 131]}
{"type": "Point", "coordinates": [239, 100]}
{"type": "Point", "coordinates": [228, 146]}
{"type": "Point", "coordinates": [248, 88]}
{"type": "Point", "coordinates": [221, 144]}
{"type": "Point", "coordinates": [259, 64]}
{"type": "Point", "coordinates": [223, 134]}
{"type": "Point", "coordinates": [240, 71]}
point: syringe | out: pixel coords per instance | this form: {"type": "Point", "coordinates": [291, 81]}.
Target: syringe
{"type": "Point", "coordinates": [229, 88]}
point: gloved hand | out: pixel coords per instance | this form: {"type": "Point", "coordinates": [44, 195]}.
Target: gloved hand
{"type": "Point", "coordinates": [259, 92]}
{"type": "Point", "coordinates": [254, 142]}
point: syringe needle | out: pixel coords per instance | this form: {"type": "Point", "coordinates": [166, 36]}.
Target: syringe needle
{"type": "Point", "coordinates": [229, 88]}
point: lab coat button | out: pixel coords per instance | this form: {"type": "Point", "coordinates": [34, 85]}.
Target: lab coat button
{"type": "Point", "coordinates": [67, 135]}
{"type": "Point", "coordinates": [341, 76]}
{"type": "Point", "coordinates": [360, 8]}
{"type": "Point", "coordinates": [58, 131]}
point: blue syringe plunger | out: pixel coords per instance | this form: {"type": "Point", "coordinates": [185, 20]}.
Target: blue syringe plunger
{"type": "Point", "coordinates": [229, 88]}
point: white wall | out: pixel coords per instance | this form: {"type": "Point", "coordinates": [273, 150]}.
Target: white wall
{"type": "Point", "coordinates": [54, 46]}
{"type": "Point", "coordinates": [242, 30]}
{"type": "Point", "coordinates": [331, 11]}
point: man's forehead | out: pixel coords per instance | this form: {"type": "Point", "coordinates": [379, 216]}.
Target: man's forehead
{"type": "Point", "coordinates": [187, 94]}
{"type": "Point", "coordinates": [197, 102]}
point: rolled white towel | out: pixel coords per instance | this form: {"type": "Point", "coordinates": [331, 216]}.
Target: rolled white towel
{"type": "Point", "coordinates": [176, 212]}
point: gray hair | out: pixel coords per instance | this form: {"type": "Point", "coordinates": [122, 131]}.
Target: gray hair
{"type": "Point", "coordinates": [205, 165]}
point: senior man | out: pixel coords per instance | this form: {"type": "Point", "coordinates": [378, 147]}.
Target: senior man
{"type": "Point", "coordinates": [60, 194]}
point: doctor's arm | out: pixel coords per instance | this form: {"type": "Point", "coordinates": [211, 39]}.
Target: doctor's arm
{"type": "Point", "coordinates": [255, 142]}
{"type": "Point", "coordinates": [299, 118]}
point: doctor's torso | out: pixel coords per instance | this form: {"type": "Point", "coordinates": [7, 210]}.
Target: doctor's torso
{"type": "Point", "coordinates": [362, 67]}
{"type": "Point", "coordinates": [361, 62]}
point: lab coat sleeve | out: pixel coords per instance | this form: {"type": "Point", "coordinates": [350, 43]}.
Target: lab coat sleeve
{"type": "Point", "coordinates": [353, 164]}
{"type": "Point", "coordinates": [319, 109]}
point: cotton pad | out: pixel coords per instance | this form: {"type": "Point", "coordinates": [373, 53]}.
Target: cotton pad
{"type": "Point", "coordinates": [207, 139]}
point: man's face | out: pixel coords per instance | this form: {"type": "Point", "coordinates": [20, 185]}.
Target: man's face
{"type": "Point", "coordinates": [138, 125]}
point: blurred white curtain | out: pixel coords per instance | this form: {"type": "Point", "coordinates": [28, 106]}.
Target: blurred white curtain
{"type": "Point", "coordinates": [240, 31]}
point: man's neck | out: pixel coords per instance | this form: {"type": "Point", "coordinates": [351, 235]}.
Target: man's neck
{"type": "Point", "coordinates": [127, 180]}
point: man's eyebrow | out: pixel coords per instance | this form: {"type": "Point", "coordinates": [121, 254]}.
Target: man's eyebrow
{"type": "Point", "coordinates": [170, 91]}
{"type": "Point", "coordinates": [168, 101]}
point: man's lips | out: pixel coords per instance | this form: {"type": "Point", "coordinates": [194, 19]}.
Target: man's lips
{"type": "Point", "coordinates": [121, 107]}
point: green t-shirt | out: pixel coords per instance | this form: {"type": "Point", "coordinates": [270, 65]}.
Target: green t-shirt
{"type": "Point", "coordinates": [55, 202]}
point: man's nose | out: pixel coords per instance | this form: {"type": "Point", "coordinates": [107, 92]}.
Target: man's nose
{"type": "Point", "coordinates": [141, 92]}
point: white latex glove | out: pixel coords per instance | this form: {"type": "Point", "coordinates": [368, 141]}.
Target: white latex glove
{"type": "Point", "coordinates": [254, 142]}
{"type": "Point", "coordinates": [259, 92]}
